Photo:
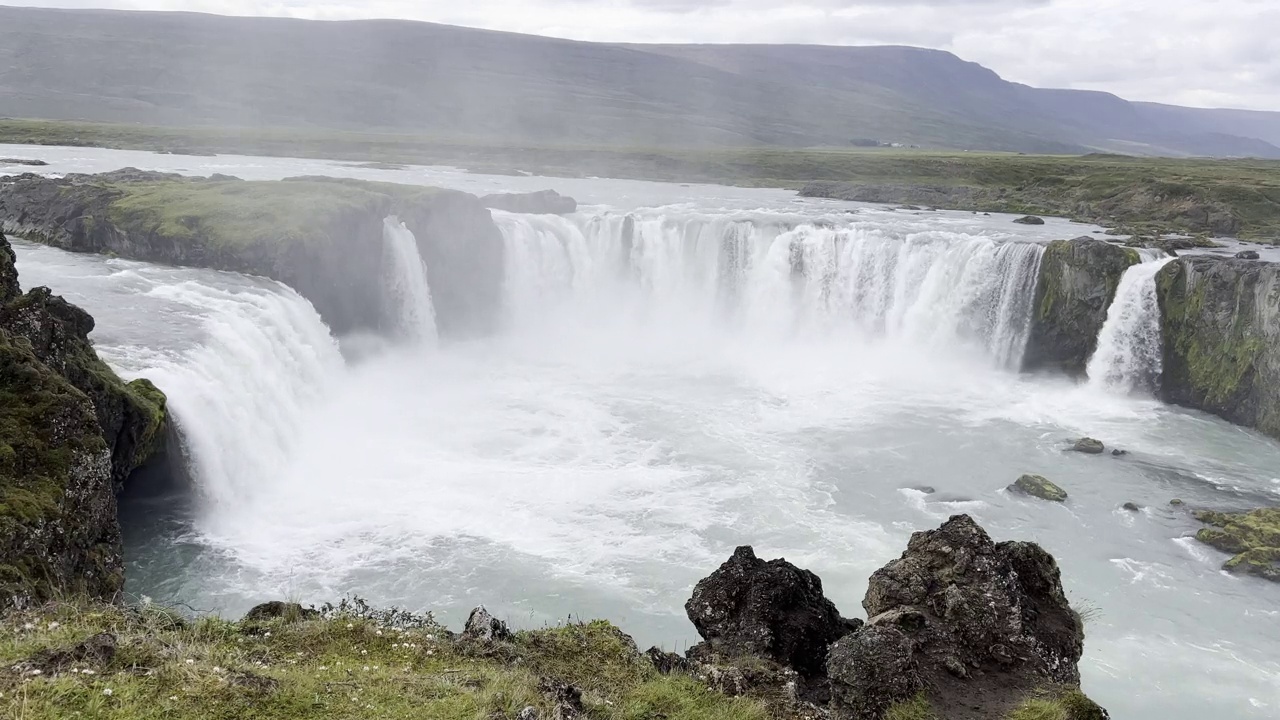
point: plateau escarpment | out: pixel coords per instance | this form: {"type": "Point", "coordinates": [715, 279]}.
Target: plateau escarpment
{"type": "Point", "coordinates": [71, 434]}
{"type": "Point", "coordinates": [321, 236]}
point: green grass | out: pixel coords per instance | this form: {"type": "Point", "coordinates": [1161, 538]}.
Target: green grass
{"type": "Point", "coordinates": [917, 708]}
{"type": "Point", "coordinates": [345, 664]}
{"type": "Point", "coordinates": [1133, 194]}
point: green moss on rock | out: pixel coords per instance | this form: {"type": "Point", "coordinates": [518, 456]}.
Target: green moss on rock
{"type": "Point", "coordinates": [1038, 486]}
{"type": "Point", "coordinates": [1066, 704]}
{"type": "Point", "coordinates": [1253, 538]}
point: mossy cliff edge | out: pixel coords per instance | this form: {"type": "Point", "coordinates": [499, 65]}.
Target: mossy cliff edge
{"type": "Point", "coordinates": [71, 433]}
{"type": "Point", "coordinates": [1220, 322]}
{"type": "Point", "coordinates": [320, 236]}
{"type": "Point", "coordinates": [959, 628]}
{"type": "Point", "coordinates": [1077, 283]}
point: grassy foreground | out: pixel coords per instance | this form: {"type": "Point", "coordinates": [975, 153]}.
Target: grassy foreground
{"type": "Point", "coordinates": [1137, 193]}
{"type": "Point", "coordinates": [349, 662]}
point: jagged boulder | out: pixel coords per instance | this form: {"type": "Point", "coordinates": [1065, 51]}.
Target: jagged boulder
{"type": "Point", "coordinates": [1220, 325]}
{"type": "Point", "coordinates": [976, 626]}
{"type": "Point", "coordinates": [1077, 283]}
{"type": "Point", "coordinates": [483, 627]}
{"type": "Point", "coordinates": [765, 609]}
{"type": "Point", "coordinates": [542, 202]}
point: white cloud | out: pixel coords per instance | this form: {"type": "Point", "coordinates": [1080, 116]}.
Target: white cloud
{"type": "Point", "coordinates": [1193, 52]}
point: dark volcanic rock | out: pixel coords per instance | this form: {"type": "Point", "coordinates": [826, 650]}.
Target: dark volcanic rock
{"type": "Point", "coordinates": [667, 662]}
{"type": "Point", "coordinates": [1220, 326]}
{"type": "Point", "coordinates": [1248, 255]}
{"type": "Point", "coordinates": [1078, 281]}
{"type": "Point", "coordinates": [1030, 220]}
{"type": "Point", "coordinates": [978, 626]}
{"type": "Point", "coordinates": [772, 610]}
{"type": "Point", "coordinates": [565, 699]}
{"type": "Point", "coordinates": [96, 652]}
{"type": "Point", "coordinates": [483, 627]}
{"type": "Point", "coordinates": [1132, 507]}
{"type": "Point", "coordinates": [277, 610]}
{"type": "Point", "coordinates": [1089, 446]}
{"type": "Point", "coordinates": [542, 202]}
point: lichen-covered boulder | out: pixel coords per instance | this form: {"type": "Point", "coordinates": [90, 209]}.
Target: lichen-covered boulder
{"type": "Point", "coordinates": [976, 626]}
{"type": "Point", "coordinates": [483, 627]}
{"type": "Point", "coordinates": [1220, 325]}
{"type": "Point", "coordinates": [1089, 446]}
{"type": "Point", "coordinates": [1077, 283]}
{"type": "Point", "coordinates": [1038, 486]}
{"type": "Point", "coordinates": [767, 609]}
{"type": "Point", "coordinates": [1252, 538]}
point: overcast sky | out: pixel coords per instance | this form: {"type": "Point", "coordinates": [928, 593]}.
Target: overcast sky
{"type": "Point", "coordinates": [1209, 53]}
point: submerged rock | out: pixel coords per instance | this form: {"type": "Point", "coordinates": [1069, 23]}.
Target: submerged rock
{"type": "Point", "coordinates": [974, 626]}
{"type": "Point", "coordinates": [1030, 220]}
{"type": "Point", "coordinates": [1077, 283]}
{"type": "Point", "coordinates": [766, 609]}
{"type": "Point", "coordinates": [1038, 486]}
{"type": "Point", "coordinates": [1089, 446]}
{"type": "Point", "coordinates": [1119, 453]}
{"type": "Point", "coordinates": [1132, 507]}
{"type": "Point", "coordinates": [1253, 538]}
{"type": "Point", "coordinates": [1220, 324]}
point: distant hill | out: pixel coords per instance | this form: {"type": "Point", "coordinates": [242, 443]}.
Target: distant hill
{"type": "Point", "coordinates": [465, 84]}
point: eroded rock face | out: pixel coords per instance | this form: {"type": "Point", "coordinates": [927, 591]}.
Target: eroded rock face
{"type": "Point", "coordinates": [1078, 281]}
{"type": "Point", "coordinates": [766, 609]}
{"type": "Point", "coordinates": [70, 432]}
{"type": "Point", "coordinates": [976, 624]}
{"type": "Point", "coordinates": [1220, 323]}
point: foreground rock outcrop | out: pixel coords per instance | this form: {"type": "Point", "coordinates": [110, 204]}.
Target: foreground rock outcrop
{"type": "Point", "coordinates": [960, 627]}
{"type": "Point", "coordinates": [1078, 281]}
{"type": "Point", "coordinates": [321, 236]}
{"type": "Point", "coordinates": [71, 433]}
{"type": "Point", "coordinates": [1220, 323]}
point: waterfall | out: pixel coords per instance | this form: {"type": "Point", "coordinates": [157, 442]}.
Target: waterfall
{"type": "Point", "coordinates": [760, 273]}
{"type": "Point", "coordinates": [1129, 351]}
{"type": "Point", "coordinates": [241, 394]}
{"type": "Point", "coordinates": [408, 292]}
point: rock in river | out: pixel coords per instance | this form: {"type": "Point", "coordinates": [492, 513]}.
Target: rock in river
{"type": "Point", "coordinates": [1089, 446]}
{"type": "Point", "coordinates": [1040, 487]}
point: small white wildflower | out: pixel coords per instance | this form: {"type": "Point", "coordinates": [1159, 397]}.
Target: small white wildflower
{"type": "Point", "coordinates": [74, 671]}
{"type": "Point", "coordinates": [37, 671]}
{"type": "Point", "coordinates": [431, 637]}
{"type": "Point", "coordinates": [431, 652]}
{"type": "Point", "coordinates": [299, 653]}
{"type": "Point", "coordinates": [191, 661]}
{"type": "Point", "coordinates": [29, 626]}
{"type": "Point", "coordinates": [146, 600]}
{"type": "Point", "coordinates": [87, 671]}
{"type": "Point", "coordinates": [366, 668]}
{"type": "Point", "coordinates": [395, 645]}
{"type": "Point", "coordinates": [377, 632]}
{"type": "Point", "coordinates": [107, 691]}
{"type": "Point", "coordinates": [54, 625]}
{"type": "Point", "coordinates": [364, 652]}
{"type": "Point", "coordinates": [324, 667]}
{"type": "Point", "coordinates": [173, 698]}
{"type": "Point", "coordinates": [267, 634]}
{"type": "Point", "coordinates": [349, 626]}
{"type": "Point", "coordinates": [217, 669]}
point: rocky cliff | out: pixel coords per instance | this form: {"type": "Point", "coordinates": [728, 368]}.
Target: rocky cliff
{"type": "Point", "coordinates": [1078, 281]}
{"type": "Point", "coordinates": [71, 433]}
{"type": "Point", "coordinates": [321, 236]}
{"type": "Point", "coordinates": [1220, 321]}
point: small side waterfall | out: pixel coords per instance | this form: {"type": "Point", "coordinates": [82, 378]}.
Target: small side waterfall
{"type": "Point", "coordinates": [408, 292]}
{"type": "Point", "coordinates": [1128, 357]}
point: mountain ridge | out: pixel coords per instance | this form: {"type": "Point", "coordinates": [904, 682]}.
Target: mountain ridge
{"type": "Point", "coordinates": [177, 68]}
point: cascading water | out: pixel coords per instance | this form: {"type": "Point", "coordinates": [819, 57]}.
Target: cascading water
{"type": "Point", "coordinates": [770, 274]}
{"type": "Point", "coordinates": [1128, 357]}
{"type": "Point", "coordinates": [408, 292]}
